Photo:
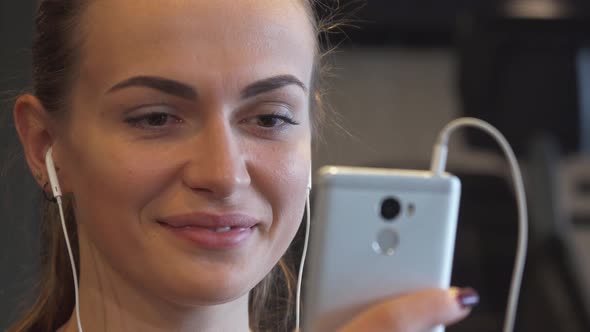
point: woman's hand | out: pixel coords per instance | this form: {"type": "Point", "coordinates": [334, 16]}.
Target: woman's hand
{"type": "Point", "coordinates": [415, 312]}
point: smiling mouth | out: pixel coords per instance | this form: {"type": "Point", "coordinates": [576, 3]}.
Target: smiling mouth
{"type": "Point", "coordinates": [212, 236]}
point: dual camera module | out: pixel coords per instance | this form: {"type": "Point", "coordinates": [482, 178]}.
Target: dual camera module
{"type": "Point", "coordinates": [388, 239]}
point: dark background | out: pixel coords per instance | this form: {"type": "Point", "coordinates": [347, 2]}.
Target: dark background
{"type": "Point", "coordinates": [18, 193]}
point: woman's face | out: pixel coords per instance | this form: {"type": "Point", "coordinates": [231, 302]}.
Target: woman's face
{"type": "Point", "coordinates": [187, 146]}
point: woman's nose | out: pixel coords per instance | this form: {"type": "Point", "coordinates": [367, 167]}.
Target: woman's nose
{"type": "Point", "coordinates": [218, 166]}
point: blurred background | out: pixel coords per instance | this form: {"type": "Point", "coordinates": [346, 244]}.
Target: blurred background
{"type": "Point", "coordinates": [400, 73]}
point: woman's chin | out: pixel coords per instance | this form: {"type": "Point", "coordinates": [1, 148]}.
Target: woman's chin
{"type": "Point", "coordinates": [208, 292]}
{"type": "Point", "coordinates": [207, 298]}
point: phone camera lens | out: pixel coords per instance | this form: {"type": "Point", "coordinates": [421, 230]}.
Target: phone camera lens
{"type": "Point", "coordinates": [390, 208]}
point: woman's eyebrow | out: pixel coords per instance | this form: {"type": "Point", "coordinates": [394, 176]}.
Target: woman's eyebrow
{"type": "Point", "coordinates": [186, 91]}
{"type": "Point", "coordinates": [165, 85]}
{"type": "Point", "coordinates": [271, 83]}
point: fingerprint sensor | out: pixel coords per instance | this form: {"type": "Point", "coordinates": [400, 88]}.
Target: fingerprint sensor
{"type": "Point", "coordinates": [386, 242]}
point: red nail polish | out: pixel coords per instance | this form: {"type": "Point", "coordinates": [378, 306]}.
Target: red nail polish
{"type": "Point", "coordinates": [467, 298]}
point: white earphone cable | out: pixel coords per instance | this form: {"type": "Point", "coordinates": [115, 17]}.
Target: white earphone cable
{"type": "Point", "coordinates": [439, 160]}
{"type": "Point", "coordinates": [300, 276]}
{"type": "Point", "coordinates": [74, 275]}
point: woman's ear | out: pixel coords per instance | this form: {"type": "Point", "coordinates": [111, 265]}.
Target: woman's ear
{"type": "Point", "coordinates": [33, 125]}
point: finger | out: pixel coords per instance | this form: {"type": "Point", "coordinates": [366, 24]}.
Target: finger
{"type": "Point", "coordinates": [416, 312]}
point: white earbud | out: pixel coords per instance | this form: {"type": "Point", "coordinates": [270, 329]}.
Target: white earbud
{"type": "Point", "coordinates": [52, 173]}
{"type": "Point", "coordinates": [54, 182]}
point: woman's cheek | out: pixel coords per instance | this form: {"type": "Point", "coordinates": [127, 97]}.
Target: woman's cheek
{"type": "Point", "coordinates": [283, 182]}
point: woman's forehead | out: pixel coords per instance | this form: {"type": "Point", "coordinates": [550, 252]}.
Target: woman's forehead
{"type": "Point", "coordinates": [223, 38]}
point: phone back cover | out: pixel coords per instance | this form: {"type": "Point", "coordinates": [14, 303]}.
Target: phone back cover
{"type": "Point", "coordinates": [345, 273]}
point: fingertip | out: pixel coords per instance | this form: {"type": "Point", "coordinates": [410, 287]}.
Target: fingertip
{"type": "Point", "coordinates": [443, 306]}
{"type": "Point", "coordinates": [465, 297]}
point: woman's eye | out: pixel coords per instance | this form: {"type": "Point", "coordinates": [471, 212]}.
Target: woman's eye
{"type": "Point", "coordinates": [153, 120]}
{"type": "Point", "coordinates": [274, 120]}
{"type": "Point", "coordinates": [157, 119]}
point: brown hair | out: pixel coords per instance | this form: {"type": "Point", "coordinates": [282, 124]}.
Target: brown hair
{"type": "Point", "coordinates": [54, 69]}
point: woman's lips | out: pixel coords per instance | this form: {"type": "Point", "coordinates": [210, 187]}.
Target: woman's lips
{"type": "Point", "coordinates": [211, 231]}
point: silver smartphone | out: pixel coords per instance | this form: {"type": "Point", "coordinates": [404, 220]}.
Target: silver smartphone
{"type": "Point", "coordinates": [376, 233]}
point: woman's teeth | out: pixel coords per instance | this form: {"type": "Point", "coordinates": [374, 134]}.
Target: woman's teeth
{"type": "Point", "coordinates": [228, 228]}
